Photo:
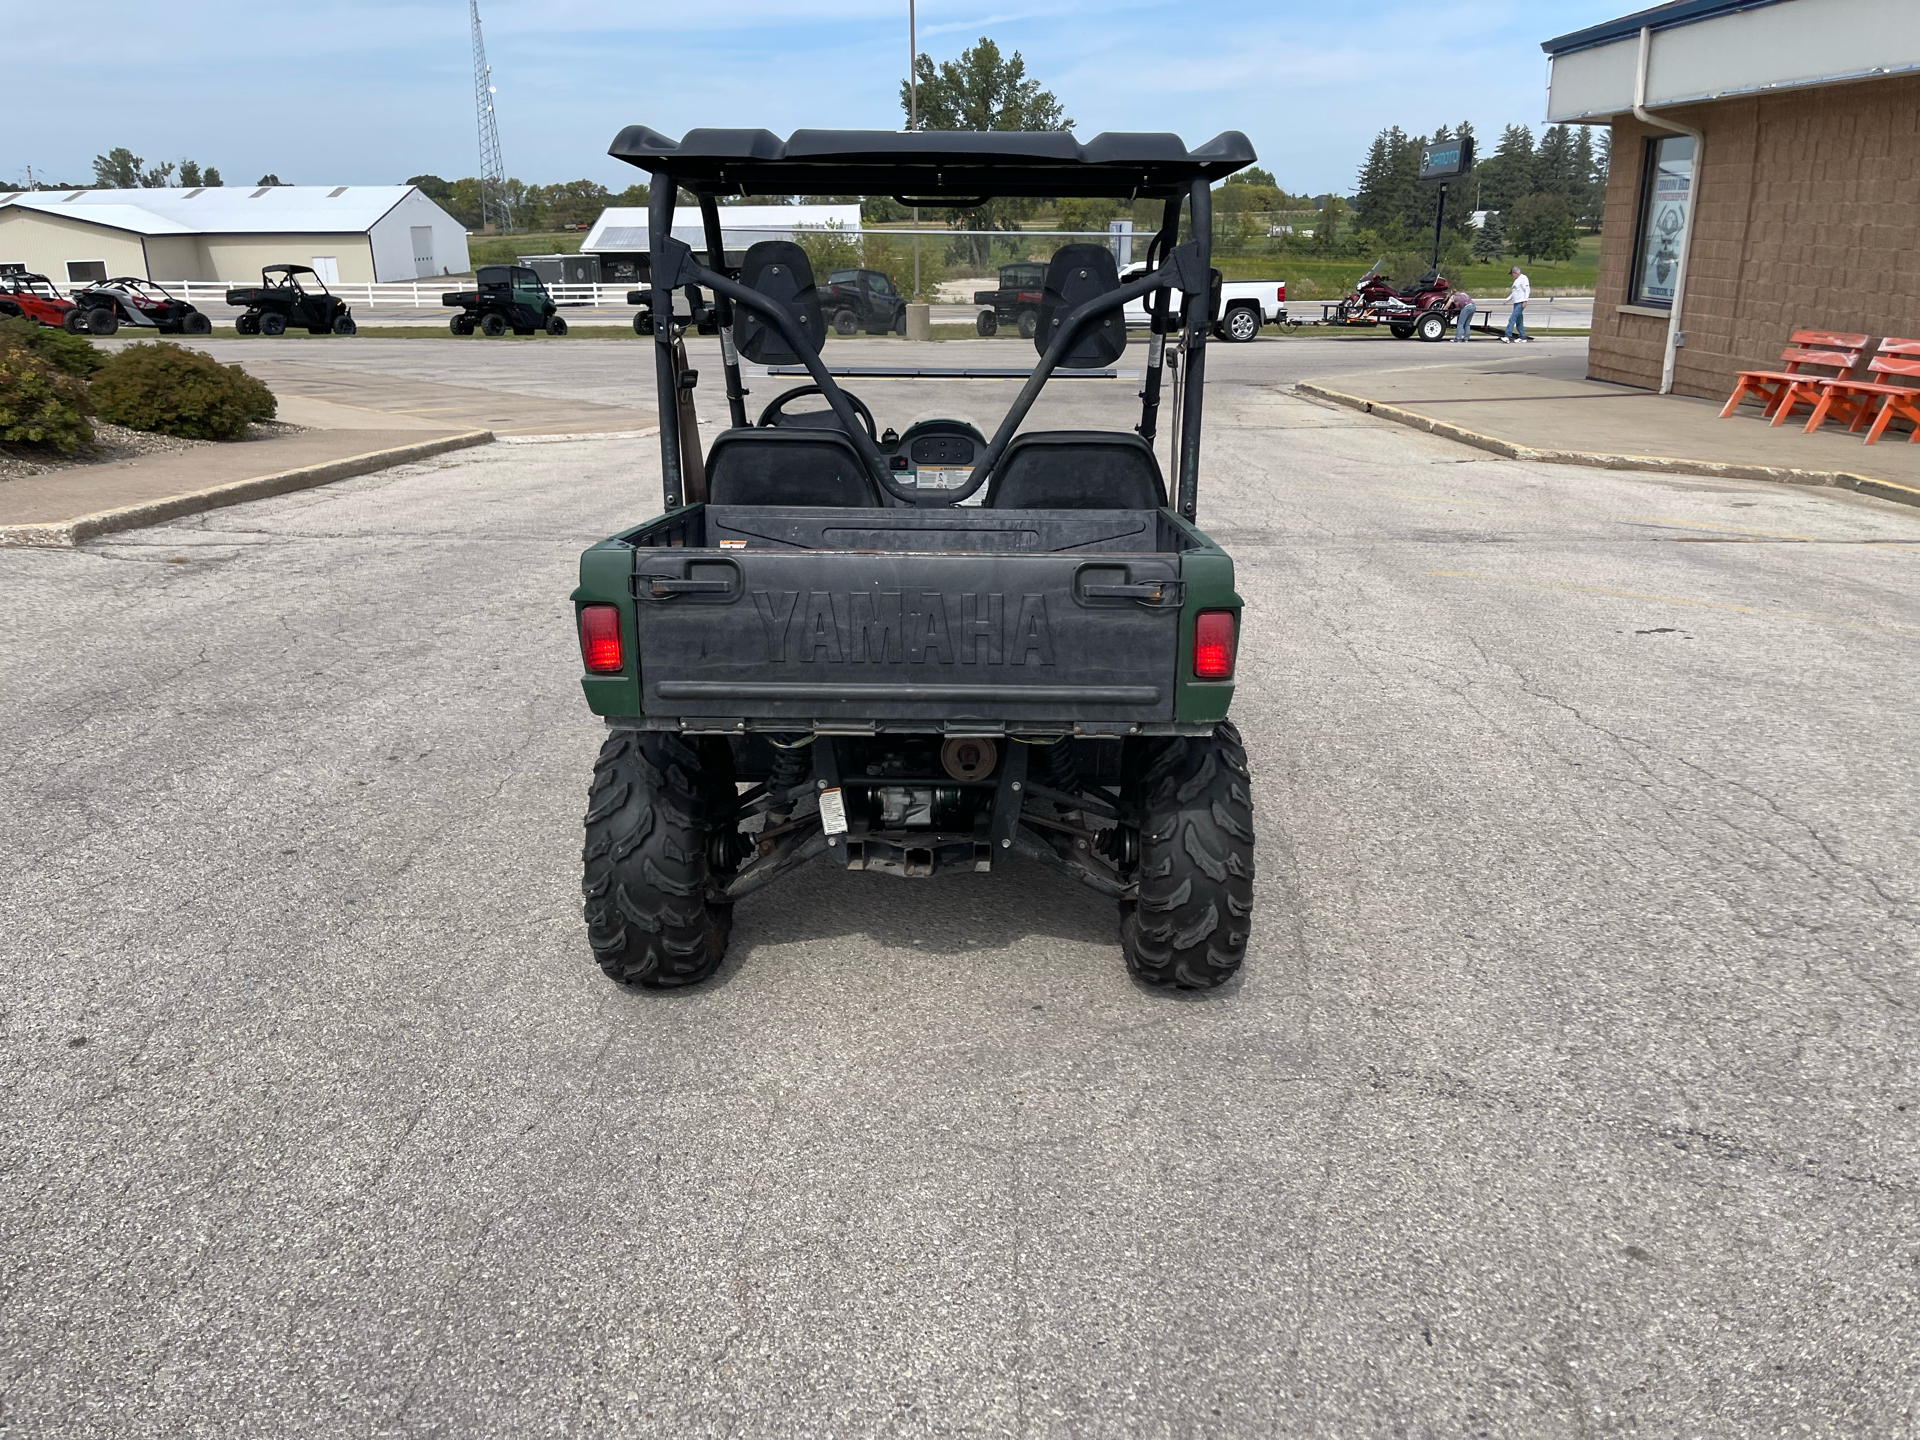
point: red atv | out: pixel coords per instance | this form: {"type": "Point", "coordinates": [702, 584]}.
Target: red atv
{"type": "Point", "coordinates": [1424, 308]}
{"type": "Point", "coordinates": [32, 296]}
{"type": "Point", "coordinates": [103, 307]}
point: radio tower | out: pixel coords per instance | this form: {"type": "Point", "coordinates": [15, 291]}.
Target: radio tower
{"type": "Point", "coordinates": [493, 171]}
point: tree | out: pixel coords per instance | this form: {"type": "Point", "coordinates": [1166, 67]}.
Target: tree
{"type": "Point", "coordinates": [1542, 228]}
{"type": "Point", "coordinates": [431, 186]}
{"type": "Point", "coordinates": [1507, 174]}
{"type": "Point", "coordinates": [1253, 175]}
{"type": "Point", "coordinates": [118, 169]}
{"type": "Point", "coordinates": [189, 173]}
{"type": "Point", "coordinates": [982, 90]}
{"type": "Point", "coordinates": [269, 179]}
{"type": "Point", "coordinates": [1373, 191]}
{"type": "Point", "coordinates": [1490, 240]}
{"type": "Point", "coordinates": [573, 202]}
{"type": "Point", "coordinates": [1087, 213]}
{"type": "Point", "coordinates": [634, 196]}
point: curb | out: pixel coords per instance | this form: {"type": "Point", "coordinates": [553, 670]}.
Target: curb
{"type": "Point", "coordinates": [66, 534]}
{"type": "Point", "coordinates": [1779, 474]}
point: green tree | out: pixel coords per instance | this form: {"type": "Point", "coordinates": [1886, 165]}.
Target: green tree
{"type": "Point", "coordinates": [118, 169]}
{"type": "Point", "coordinates": [1490, 240]}
{"type": "Point", "coordinates": [189, 173]}
{"type": "Point", "coordinates": [1374, 198]}
{"type": "Point", "coordinates": [210, 178]}
{"type": "Point", "coordinates": [574, 202]}
{"type": "Point", "coordinates": [1253, 175]}
{"type": "Point", "coordinates": [982, 90]}
{"type": "Point", "coordinates": [269, 179]}
{"type": "Point", "coordinates": [1508, 173]}
{"type": "Point", "coordinates": [634, 196]}
{"type": "Point", "coordinates": [1542, 228]}
{"type": "Point", "coordinates": [432, 186]}
{"type": "Point", "coordinates": [1087, 213]}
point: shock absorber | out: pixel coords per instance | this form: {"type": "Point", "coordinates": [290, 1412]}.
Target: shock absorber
{"type": "Point", "coordinates": [790, 768]}
{"type": "Point", "coordinates": [1063, 766]}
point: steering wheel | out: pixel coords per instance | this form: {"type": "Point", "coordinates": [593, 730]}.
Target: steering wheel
{"type": "Point", "coordinates": [770, 417]}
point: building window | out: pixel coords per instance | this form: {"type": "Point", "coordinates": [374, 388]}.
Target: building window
{"type": "Point", "coordinates": [1666, 190]}
{"type": "Point", "coordinates": [86, 272]}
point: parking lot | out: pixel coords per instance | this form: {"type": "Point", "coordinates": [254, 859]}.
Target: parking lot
{"type": "Point", "coordinates": [1567, 1090]}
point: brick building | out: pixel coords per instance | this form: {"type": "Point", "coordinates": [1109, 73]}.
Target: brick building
{"type": "Point", "coordinates": [1765, 178]}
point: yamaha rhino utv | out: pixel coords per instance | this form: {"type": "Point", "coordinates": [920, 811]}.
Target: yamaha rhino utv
{"type": "Point", "coordinates": [821, 650]}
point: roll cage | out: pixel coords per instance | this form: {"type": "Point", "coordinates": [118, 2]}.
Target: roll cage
{"type": "Point", "coordinates": [922, 168]}
{"type": "Point", "coordinates": [287, 277]}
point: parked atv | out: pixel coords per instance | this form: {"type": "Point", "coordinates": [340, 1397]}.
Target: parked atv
{"type": "Point", "coordinates": [102, 308]}
{"type": "Point", "coordinates": [1016, 302]}
{"type": "Point", "coordinates": [863, 300]}
{"type": "Point", "coordinates": [816, 652]}
{"type": "Point", "coordinates": [506, 297]}
{"type": "Point", "coordinates": [33, 297]}
{"type": "Point", "coordinates": [1424, 308]}
{"type": "Point", "coordinates": [283, 297]}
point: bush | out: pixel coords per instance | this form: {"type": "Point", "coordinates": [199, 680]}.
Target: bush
{"type": "Point", "coordinates": [162, 387]}
{"type": "Point", "coordinates": [39, 405]}
{"type": "Point", "coordinates": [69, 354]}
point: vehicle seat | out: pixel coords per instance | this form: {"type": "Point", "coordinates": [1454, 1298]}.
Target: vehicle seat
{"type": "Point", "coordinates": [1077, 470]}
{"type": "Point", "coordinates": [788, 467]}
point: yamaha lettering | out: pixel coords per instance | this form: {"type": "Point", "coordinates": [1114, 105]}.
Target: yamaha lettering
{"type": "Point", "coordinates": [922, 627]}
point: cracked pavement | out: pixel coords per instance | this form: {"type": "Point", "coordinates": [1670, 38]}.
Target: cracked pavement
{"type": "Point", "coordinates": [1568, 1090]}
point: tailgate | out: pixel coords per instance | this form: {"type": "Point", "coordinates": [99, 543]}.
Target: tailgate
{"type": "Point", "coordinates": [851, 637]}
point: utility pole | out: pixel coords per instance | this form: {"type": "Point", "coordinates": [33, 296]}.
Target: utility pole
{"type": "Point", "coordinates": [493, 171]}
{"type": "Point", "coordinates": [913, 123]}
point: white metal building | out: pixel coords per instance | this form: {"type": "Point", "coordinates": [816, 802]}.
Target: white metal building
{"type": "Point", "coordinates": [623, 231]}
{"type": "Point", "coordinates": [352, 233]}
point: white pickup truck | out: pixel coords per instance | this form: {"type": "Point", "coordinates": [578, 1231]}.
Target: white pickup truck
{"type": "Point", "coordinates": [1245, 305]}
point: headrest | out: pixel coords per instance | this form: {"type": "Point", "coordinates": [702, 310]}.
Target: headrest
{"type": "Point", "coordinates": [1077, 470]}
{"type": "Point", "coordinates": [779, 271]}
{"type": "Point", "coordinates": [788, 467]}
{"type": "Point", "coordinates": [1076, 274]}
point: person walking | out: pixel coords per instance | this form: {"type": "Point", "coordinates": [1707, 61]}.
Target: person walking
{"type": "Point", "coordinates": [1517, 297]}
{"type": "Point", "coordinates": [1465, 312]}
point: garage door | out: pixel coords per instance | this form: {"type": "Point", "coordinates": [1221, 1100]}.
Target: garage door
{"type": "Point", "coordinates": [423, 251]}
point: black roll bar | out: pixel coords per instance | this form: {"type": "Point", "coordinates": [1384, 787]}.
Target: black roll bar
{"type": "Point", "coordinates": [723, 313]}
{"type": "Point", "coordinates": [1157, 252]}
{"type": "Point", "coordinates": [1199, 322]}
{"type": "Point", "coordinates": [666, 384]}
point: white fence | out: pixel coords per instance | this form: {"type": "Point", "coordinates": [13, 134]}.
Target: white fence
{"type": "Point", "coordinates": [409, 295]}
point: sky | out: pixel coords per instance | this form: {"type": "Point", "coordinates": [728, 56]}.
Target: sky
{"type": "Point", "coordinates": [363, 92]}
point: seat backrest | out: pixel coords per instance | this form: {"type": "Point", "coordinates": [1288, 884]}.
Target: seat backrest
{"type": "Point", "coordinates": [1897, 357]}
{"type": "Point", "coordinates": [1828, 349]}
{"type": "Point", "coordinates": [1075, 275]}
{"type": "Point", "coordinates": [1077, 470]}
{"type": "Point", "coordinates": [781, 273]}
{"type": "Point", "coordinates": [788, 467]}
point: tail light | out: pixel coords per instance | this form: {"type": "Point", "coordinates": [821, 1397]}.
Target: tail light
{"type": "Point", "coordinates": [1280, 291]}
{"type": "Point", "coordinates": [600, 639]}
{"type": "Point", "coordinates": [1213, 644]}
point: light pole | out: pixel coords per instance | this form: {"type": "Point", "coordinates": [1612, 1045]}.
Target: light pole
{"type": "Point", "coordinates": [913, 123]}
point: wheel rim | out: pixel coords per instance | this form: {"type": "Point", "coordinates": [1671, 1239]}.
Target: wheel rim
{"type": "Point", "coordinates": [1242, 325]}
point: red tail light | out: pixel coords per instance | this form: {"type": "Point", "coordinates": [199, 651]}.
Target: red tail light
{"type": "Point", "coordinates": [600, 639]}
{"type": "Point", "coordinates": [1281, 292]}
{"type": "Point", "coordinates": [1213, 640]}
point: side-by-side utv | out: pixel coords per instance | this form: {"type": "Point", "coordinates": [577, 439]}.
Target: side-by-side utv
{"type": "Point", "coordinates": [930, 650]}
{"type": "Point", "coordinates": [289, 295]}
{"type": "Point", "coordinates": [504, 297]}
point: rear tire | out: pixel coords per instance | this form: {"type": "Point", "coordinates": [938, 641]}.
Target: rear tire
{"type": "Point", "coordinates": [643, 322]}
{"type": "Point", "coordinates": [1027, 322]}
{"type": "Point", "coordinates": [1241, 326]}
{"type": "Point", "coordinates": [102, 322]}
{"type": "Point", "coordinates": [495, 325]}
{"type": "Point", "coordinates": [461, 324]}
{"type": "Point", "coordinates": [556, 326]}
{"type": "Point", "coordinates": [985, 323]}
{"type": "Point", "coordinates": [272, 324]}
{"type": "Point", "coordinates": [653, 908]}
{"type": "Point", "coordinates": [1189, 927]}
{"type": "Point", "coordinates": [246, 324]}
{"type": "Point", "coordinates": [844, 322]}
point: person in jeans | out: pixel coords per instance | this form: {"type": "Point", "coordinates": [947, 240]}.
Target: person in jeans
{"type": "Point", "coordinates": [1465, 312]}
{"type": "Point", "coordinates": [1517, 297]}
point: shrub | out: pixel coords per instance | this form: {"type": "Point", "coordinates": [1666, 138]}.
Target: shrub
{"type": "Point", "coordinates": [39, 405]}
{"type": "Point", "coordinates": [69, 354]}
{"type": "Point", "coordinates": [165, 388]}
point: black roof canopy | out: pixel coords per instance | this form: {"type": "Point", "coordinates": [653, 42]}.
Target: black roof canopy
{"type": "Point", "coordinates": [932, 163]}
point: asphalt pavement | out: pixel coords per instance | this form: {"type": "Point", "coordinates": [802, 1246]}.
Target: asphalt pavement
{"type": "Point", "coordinates": [1568, 1088]}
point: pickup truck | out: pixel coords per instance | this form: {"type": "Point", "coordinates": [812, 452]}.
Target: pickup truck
{"type": "Point", "coordinates": [1245, 305]}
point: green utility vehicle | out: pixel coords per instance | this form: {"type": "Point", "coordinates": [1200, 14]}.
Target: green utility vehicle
{"type": "Point", "coordinates": [504, 297]}
{"type": "Point", "coordinates": [923, 650]}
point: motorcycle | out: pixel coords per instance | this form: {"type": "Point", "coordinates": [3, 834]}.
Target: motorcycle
{"type": "Point", "coordinates": [1424, 308]}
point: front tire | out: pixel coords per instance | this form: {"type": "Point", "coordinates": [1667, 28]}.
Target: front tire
{"type": "Point", "coordinates": [844, 322]}
{"type": "Point", "coordinates": [556, 326]}
{"type": "Point", "coordinates": [196, 324]}
{"type": "Point", "coordinates": [655, 917]}
{"type": "Point", "coordinates": [1188, 930]}
{"type": "Point", "coordinates": [343, 325]}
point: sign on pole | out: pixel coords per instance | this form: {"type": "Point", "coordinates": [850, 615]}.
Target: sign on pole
{"type": "Point", "coordinates": [1446, 159]}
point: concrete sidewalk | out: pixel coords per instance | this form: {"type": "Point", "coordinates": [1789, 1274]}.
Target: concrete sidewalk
{"type": "Point", "coordinates": [1537, 405]}
{"type": "Point", "coordinates": [70, 507]}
